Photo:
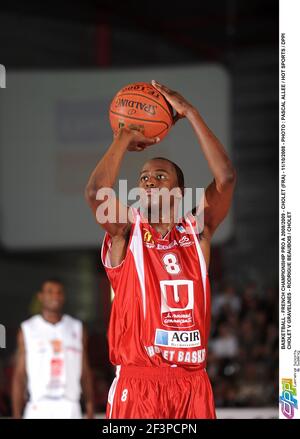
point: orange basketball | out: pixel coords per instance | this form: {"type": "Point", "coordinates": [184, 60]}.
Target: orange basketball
{"type": "Point", "coordinates": [141, 107]}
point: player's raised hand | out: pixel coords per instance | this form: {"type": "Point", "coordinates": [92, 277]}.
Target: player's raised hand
{"type": "Point", "coordinates": [178, 102]}
{"type": "Point", "coordinates": [135, 140]}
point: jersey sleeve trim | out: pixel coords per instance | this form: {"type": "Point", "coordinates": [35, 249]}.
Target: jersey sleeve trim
{"type": "Point", "coordinates": [107, 243]}
{"type": "Point", "coordinates": [202, 262]}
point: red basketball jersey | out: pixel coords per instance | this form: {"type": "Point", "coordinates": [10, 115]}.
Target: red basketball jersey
{"type": "Point", "coordinates": [161, 310]}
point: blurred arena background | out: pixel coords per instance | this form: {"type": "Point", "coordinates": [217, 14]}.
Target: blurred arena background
{"type": "Point", "coordinates": [237, 37]}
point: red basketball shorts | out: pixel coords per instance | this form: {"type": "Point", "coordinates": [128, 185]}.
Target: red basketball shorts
{"type": "Point", "coordinates": [153, 393]}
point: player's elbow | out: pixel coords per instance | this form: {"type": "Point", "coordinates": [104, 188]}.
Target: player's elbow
{"type": "Point", "coordinates": [90, 194]}
{"type": "Point", "coordinates": [228, 179]}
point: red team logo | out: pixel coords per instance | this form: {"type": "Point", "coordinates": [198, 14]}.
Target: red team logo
{"type": "Point", "coordinates": [177, 303]}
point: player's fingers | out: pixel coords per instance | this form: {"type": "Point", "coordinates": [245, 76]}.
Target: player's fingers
{"type": "Point", "coordinates": [140, 138]}
{"type": "Point", "coordinates": [142, 146]}
{"type": "Point", "coordinates": [143, 143]}
{"type": "Point", "coordinates": [151, 140]}
{"type": "Point", "coordinates": [135, 148]}
{"type": "Point", "coordinates": [162, 88]}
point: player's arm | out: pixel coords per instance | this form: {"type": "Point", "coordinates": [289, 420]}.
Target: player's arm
{"type": "Point", "coordinates": [19, 378]}
{"type": "Point", "coordinates": [104, 177]}
{"type": "Point", "coordinates": [86, 378]}
{"type": "Point", "coordinates": [105, 174]}
{"type": "Point", "coordinates": [218, 195]}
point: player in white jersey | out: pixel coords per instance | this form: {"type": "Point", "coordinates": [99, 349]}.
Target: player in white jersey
{"type": "Point", "coordinates": [52, 362]}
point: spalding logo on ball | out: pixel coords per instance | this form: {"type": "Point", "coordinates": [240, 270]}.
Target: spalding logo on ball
{"type": "Point", "coordinates": [140, 106]}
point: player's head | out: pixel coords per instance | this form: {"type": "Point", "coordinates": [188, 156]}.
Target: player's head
{"type": "Point", "coordinates": [165, 173]}
{"type": "Point", "coordinates": [52, 295]}
{"type": "Point", "coordinates": [159, 173]}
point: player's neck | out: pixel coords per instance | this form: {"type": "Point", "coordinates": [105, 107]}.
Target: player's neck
{"type": "Point", "coordinates": [160, 218]}
{"type": "Point", "coordinates": [163, 222]}
{"type": "Point", "coordinates": [163, 228]}
{"type": "Point", "coordinates": [51, 317]}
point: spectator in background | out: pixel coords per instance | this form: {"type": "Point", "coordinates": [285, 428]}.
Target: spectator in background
{"type": "Point", "coordinates": [225, 345]}
{"type": "Point", "coordinates": [244, 346]}
{"type": "Point", "coordinates": [52, 361]}
{"type": "Point", "coordinates": [227, 298]}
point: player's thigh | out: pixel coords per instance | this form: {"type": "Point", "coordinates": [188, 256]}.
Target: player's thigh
{"type": "Point", "coordinates": [201, 404]}
{"type": "Point", "coordinates": [133, 398]}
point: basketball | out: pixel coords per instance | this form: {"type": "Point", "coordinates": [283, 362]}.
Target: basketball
{"type": "Point", "coordinates": [141, 107]}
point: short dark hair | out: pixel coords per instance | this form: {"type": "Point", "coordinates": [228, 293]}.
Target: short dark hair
{"type": "Point", "coordinates": [54, 280]}
{"type": "Point", "coordinates": [179, 173]}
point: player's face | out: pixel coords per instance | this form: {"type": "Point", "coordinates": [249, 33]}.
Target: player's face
{"type": "Point", "coordinates": [156, 175]}
{"type": "Point", "coordinates": [52, 296]}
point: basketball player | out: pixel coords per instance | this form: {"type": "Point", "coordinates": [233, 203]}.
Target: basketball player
{"type": "Point", "coordinates": [160, 318]}
{"type": "Point", "coordinates": [52, 358]}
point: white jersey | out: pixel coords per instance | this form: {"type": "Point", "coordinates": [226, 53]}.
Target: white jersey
{"type": "Point", "coordinates": [53, 358]}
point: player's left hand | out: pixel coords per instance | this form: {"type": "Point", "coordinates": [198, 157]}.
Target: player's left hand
{"type": "Point", "coordinates": [178, 102]}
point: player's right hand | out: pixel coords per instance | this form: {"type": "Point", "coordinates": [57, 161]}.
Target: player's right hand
{"type": "Point", "coordinates": [135, 140]}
